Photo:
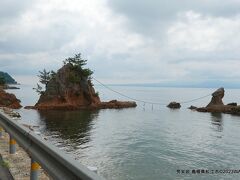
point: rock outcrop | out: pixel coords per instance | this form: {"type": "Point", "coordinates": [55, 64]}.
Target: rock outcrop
{"type": "Point", "coordinates": [114, 104]}
{"type": "Point", "coordinates": [217, 98]}
{"type": "Point", "coordinates": [68, 89]}
{"type": "Point", "coordinates": [174, 105]}
{"type": "Point", "coordinates": [9, 100]}
{"type": "Point", "coordinates": [192, 107]}
{"type": "Point", "coordinates": [232, 104]}
{"type": "Point", "coordinates": [216, 104]}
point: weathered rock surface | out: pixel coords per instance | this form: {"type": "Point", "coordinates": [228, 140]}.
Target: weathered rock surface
{"type": "Point", "coordinates": [216, 104]}
{"type": "Point", "coordinates": [69, 90]}
{"type": "Point", "coordinates": [217, 98]}
{"type": "Point", "coordinates": [174, 105]}
{"type": "Point", "coordinates": [9, 100]}
{"type": "Point", "coordinates": [114, 104]}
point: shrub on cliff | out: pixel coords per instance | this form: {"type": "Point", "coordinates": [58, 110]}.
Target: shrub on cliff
{"type": "Point", "coordinates": [77, 64]}
{"type": "Point", "coordinates": [44, 76]}
{"type": "Point", "coordinates": [2, 81]}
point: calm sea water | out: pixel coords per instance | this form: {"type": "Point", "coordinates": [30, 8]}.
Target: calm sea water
{"type": "Point", "coordinates": [147, 142]}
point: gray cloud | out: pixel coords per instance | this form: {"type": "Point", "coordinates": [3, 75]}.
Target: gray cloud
{"type": "Point", "coordinates": [145, 16]}
{"type": "Point", "coordinates": [10, 9]}
{"type": "Point", "coordinates": [125, 41]}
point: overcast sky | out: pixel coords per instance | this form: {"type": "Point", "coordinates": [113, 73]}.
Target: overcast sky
{"type": "Point", "coordinates": [124, 41]}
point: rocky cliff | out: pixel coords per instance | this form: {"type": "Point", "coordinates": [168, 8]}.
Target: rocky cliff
{"type": "Point", "coordinates": [9, 100]}
{"type": "Point", "coordinates": [70, 89]}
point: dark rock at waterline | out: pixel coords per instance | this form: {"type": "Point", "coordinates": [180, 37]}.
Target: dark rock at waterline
{"type": "Point", "coordinates": [202, 109]}
{"type": "Point", "coordinates": [192, 107]}
{"type": "Point", "coordinates": [232, 104]}
{"type": "Point", "coordinates": [114, 104]}
{"type": "Point", "coordinates": [234, 110]}
{"type": "Point", "coordinates": [174, 105]}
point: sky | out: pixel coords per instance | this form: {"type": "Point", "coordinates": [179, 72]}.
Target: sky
{"type": "Point", "coordinates": [137, 41]}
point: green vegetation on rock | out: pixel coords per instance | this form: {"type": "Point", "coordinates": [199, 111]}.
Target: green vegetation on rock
{"type": "Point", "coordinates": [76, 74]}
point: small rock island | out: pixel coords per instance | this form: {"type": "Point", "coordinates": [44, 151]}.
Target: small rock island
{"type": "Point", "coordinates": [174, 105]}
{"type": "Point", "coordinates": [70, 88]}
{"type": "Point", "coordinates": [216, 104]}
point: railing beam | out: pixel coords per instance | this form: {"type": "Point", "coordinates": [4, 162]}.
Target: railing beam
{"type": "Point", "coordinates": [57, 164]}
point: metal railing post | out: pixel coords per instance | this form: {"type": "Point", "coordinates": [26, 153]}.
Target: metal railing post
{"type": "Point", "coordinates": [35, 167]}
{"type": "Point", "coordinates": [12, 145]}
{"type": "Point", "coordinates": [1, 132]}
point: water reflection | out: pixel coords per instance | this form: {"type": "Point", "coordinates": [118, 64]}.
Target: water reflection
{"type": "Point", "coordinates": [217, 121]}
{"type": "Point", "coordinates": [71, 126]}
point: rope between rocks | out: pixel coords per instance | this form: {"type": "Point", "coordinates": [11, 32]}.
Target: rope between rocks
{"type": "Point", "coordinates": [147, 102]}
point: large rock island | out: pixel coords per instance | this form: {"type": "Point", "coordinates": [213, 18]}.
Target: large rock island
{"type": "Point", "coordinates": [71, 88]}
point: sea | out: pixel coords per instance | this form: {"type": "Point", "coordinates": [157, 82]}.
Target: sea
{"type": "Point", "coordinates": [149, 142]}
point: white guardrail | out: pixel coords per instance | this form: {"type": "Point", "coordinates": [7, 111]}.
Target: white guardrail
{"type": "Point", "coordinates": [57, 164]}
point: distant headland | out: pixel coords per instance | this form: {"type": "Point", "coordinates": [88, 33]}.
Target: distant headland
{"type": "Point", "coordinates": [7, 78]}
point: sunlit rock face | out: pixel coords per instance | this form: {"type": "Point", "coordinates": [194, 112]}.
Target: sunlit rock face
{"type": "Point", "coordinates": [9, 100]}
